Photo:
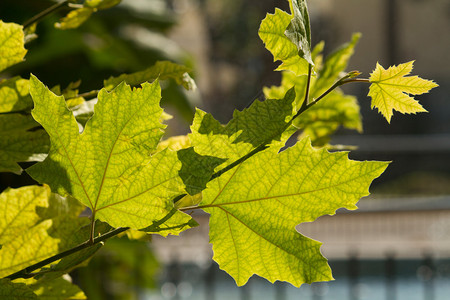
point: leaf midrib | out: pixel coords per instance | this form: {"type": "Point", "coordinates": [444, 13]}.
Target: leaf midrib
{"type": "Point", "coordinates": [219, 205]}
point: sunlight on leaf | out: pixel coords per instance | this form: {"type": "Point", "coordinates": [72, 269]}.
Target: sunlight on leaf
{"type": "Point", "coordinates": [390, 88]}
{"type": "Point", "coordinates": [255, 207]}
{"type": "Point", "coordinates": [109, 167]}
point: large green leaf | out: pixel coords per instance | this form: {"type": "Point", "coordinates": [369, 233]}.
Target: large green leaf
{"type": "Point", "coordinates": [299, 30]}
{"type": "Point", "coordinates": [272, 33]}
{"type": "Point", "coordinates": [20, 144]}
{"type": "Point", "coordinates": [161, 69]}
{"type": "Point", "coordinates": [12, 50]}
{"type": "Point", "coordinates": [108, 167]}
{"type": "Point", "coordinates": [15, 291]}
{"type": "Point", "coordinates": [255, 207]}
{"type": "Point", "coordinates": [262, 123]}
{"type": "Point", "coordinates": [390, 88]}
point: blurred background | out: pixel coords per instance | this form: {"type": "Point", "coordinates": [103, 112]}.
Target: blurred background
{"type": "Point", "coordinates": [396, 246]}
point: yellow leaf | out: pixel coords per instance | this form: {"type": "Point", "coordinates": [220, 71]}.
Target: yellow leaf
{"type": "Point", "coordinates": [391, 88]}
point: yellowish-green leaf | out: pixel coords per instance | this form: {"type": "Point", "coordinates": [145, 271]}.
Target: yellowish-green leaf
{"type": "Point", "coordinates": [75, 18]}
{"type": "Point", "coordinates": [19, 207]}
{"type": "Point", "coordinates": [390, 90]}
{"type": "Point", "coordinates": [26, 248]}
{"type": "Point", "coordinates": [36, 225]}
{"type": "Point", "coordinates": [271, 32]}
{"type": "Point", "coordinates": [256, 206]}
{"type": "Point", "coordinates": [12, 49]}
{"type": "Point", "coordinates": [14, 95]}
{"type": "Point", "coordinates": [15, 291]}
{"type": "Point", "coordinates": [108, 167]}
{"type": "Point", "coordinates": [161, 69]}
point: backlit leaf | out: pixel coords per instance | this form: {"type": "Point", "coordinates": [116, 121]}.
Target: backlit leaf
{"type": "Point", "coordinates": [256, 206]}
{"type": "Point", "coordinates": [75, 18]}
{"type": "Point", "coordinates": [272, 33]}
{"type": "Point", "coordinates": [390, 90]}
{"type": "Point", "coordinates": [12, 50]}
{"type": "Point", "coordinates": [19, 207]}
{"type": "Point", "coordinates": [36, 225]}
{"type": "Point", "coordinates": [109, 166]}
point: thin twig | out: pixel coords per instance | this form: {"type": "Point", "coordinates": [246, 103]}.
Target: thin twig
{"type": "Point", "coordinates": [27, 272]}
{"type": "Point", "coordinates": [44, 13]}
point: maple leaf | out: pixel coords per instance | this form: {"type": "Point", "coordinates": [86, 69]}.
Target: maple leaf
{"type": "Point", "coordinates": [255, 207]}
{"type": "Point", "coordinates": [109, 166]}
{"type": "Point", "coordinates": [390, 88]}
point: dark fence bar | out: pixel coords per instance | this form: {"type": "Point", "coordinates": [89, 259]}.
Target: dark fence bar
{"type": "Point", "coordinates": [353, 274]}
{"type": "Point", "coordinates": [390, 275]}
